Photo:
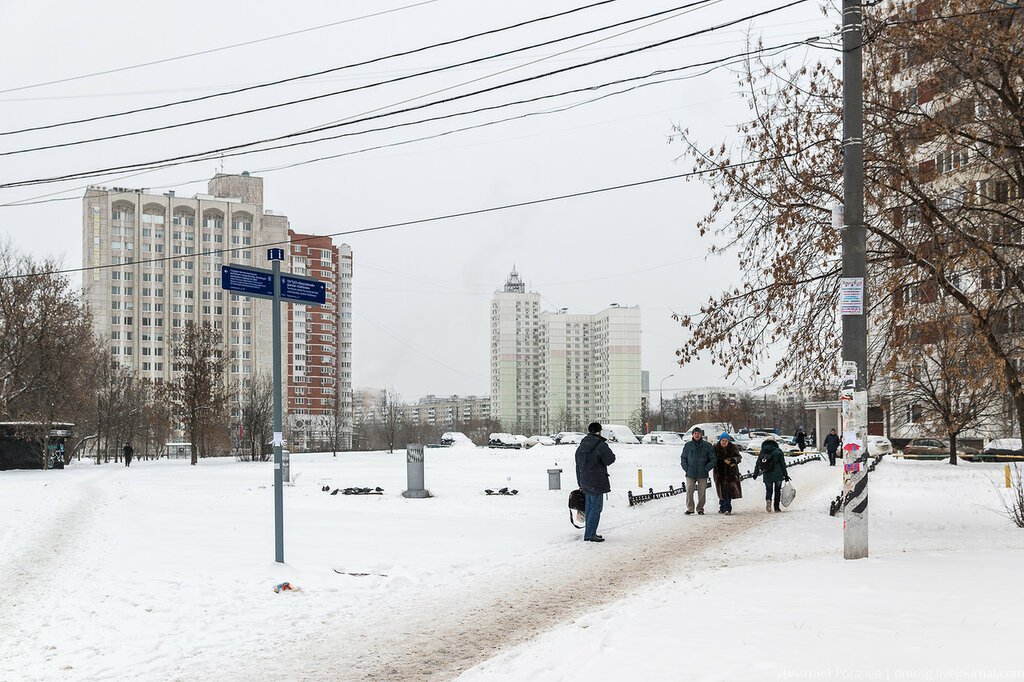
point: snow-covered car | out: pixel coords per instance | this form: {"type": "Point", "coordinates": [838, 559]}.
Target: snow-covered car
{"type": "Point", "coordinates": [618, 433]}
{"type": "Point", "coordinates": [663, 438]}
{"type": "Point", "coordinates": [755, 445]}
{"type": "Point", "coordinates": [569, 437]}
{"type": "Point", "coordinates": [543, 440]}
{"type": "Point", "coordinates": [450, 438]}
{"type": "Point", "coordinates": [503, 440]}
{"type": "Point", "coordinates": [879, 445]}
{"type": "Point", "coordinates": [999, 450]}
{"type": "Point", "coordinates": [711, 429]}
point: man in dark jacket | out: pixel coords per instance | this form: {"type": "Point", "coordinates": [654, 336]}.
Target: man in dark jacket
{"type": "Point", "coordinates": [697, 460]}
{"type": "Point", "coordinates": [593, 456]}
{"type": "Point", "coordinates": [128, 452]}
{"type": "Point", "coordinates": [800, 439]}
{"type": "Point", "coordinates": [832, 443]}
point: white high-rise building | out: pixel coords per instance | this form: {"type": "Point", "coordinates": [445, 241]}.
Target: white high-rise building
{"type": "Point", "coordinates": [556, 371]}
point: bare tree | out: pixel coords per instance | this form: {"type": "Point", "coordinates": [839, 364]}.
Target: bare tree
{"type": "Point", "coordinates": [258, 416]}
{"type": "Point", "coordinates": [944, 159]}
{"type": "Point", "coordinates": [390, 418]}
{"type": "Point", "coordinates": [945, 374]}
{"type": "Point", "coordinates": [47, 349]}
{"type": "Point", "coordinates": [198, 393]}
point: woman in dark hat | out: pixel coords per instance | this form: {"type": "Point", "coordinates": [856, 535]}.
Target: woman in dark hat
{"type": "Point", "coordinates": [727, 473]}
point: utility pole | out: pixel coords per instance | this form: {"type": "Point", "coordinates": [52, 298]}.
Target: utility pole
{"type": "Point", "coordinates": [853, 304]}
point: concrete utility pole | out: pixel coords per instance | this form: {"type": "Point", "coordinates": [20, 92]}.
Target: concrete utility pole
{"type": "Point", "coordinates": [853, 306]}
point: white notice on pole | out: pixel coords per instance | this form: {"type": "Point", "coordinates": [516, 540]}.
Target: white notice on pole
{"type": "Point", "coordinates": [851, 296]}
{"type": "Point", "coordinates": [278, 438]}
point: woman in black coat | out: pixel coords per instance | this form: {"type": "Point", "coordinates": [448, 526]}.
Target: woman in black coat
{"type": "Point", "coordinates": [727, 473]}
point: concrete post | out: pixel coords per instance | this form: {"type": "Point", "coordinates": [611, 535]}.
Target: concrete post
{"type": "Point", "coordinates": [414, 471]}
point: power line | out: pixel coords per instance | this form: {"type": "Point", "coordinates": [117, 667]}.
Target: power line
{"type": "Point", "coordinates": [211, 87]}
{"type": "Point", "coordinates": [431, 219]}
{"type": "Point", "coordinates": [163, 163]}
{"type": "Point", "coordinates": [322, 72]}
{"type": "Point", "coordinates": [335, 93]}
{"type": "Point", "coordinates": [212, 50]}
{"type": "Point", "coordinates": [715, 64]}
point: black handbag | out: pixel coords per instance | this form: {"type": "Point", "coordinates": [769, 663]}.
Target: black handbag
{"type": "Point", "coordinates": [577, 505]}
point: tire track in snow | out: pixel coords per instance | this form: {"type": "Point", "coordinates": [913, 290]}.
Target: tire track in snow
{"type": "Point", "coordinates": [440, 635]}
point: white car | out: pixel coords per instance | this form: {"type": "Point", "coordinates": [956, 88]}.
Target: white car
{"type": "Point", "coordinates": [755, 445]}
{"type": "Point", "coordinates": [618, 433]}
{"type": "Point", "coordinates": [450, 438]}
{"type": "Point", "coordinates": [879, 445]}
{"type": "Point", "coordinates": [569, 437]}
{"type": "Point", "coordinates": [543, 440]}
{"type": "Point", "coordinates": [664, 438]}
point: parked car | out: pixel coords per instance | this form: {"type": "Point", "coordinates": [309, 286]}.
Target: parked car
{"type": "Point", "coordinates": [755, 445]}
{"type": "Point", "coordinates": [879, 445]}
{"type": "Point", "coordinates": [999, 450]}
{"type": "Point", "coordinates": [711, 429]}
{"type": "Point", "coordinates": [503, 440]}
{"type": "Point", "coordinates": [618, 433]}
{"type": "Point", "coordinates": [569, 437]}
{"type": "Point", "coordinates": [663, 438]}
{"type": "Point", "coordinates": [543, 440]}
{"type": "Point", "coordinates": [450, 438]}
{"type": "Point", "coordinates": [933, 448]}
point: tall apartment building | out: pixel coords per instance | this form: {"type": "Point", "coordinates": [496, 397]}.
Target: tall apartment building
{"type": "Point", "coordinates": [319, 392]}
{"type": "Point", "coordinates": [554, 371]}
{"type": "Point", "coordinates": [160, 257]}
{"type": "Point", "coordinates": [963, 210]}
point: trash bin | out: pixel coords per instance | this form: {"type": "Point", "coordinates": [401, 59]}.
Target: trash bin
{"type": "Point", "coordinates": [554, 479]}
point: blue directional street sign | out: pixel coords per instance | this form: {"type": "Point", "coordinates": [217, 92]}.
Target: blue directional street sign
{"type": "Point", "coordinates": [259, 283]}
{"type": "Point", "coordinates": [303, 290]}
{"type": "Point", "coordinates": [275, 254]}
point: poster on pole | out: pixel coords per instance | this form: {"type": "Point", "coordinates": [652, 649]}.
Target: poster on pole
{"type": "Point", "coordinates": [851, 296]}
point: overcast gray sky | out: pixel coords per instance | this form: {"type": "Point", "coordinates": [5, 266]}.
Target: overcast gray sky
{"type": "Point", "coordinates": [421, 293]}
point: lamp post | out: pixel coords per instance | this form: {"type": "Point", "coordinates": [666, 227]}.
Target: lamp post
{"type": "Point", "coordinates": [661, 400]}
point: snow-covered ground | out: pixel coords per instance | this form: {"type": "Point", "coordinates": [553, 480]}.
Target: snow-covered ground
{"type": "Point", "coordinates": [165, 571]}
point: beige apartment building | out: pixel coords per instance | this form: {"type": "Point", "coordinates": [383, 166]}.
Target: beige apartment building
{"type": "Point", "coordinates": [158, 261]}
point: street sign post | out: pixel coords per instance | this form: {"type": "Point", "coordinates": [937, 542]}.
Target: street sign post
{"type": "Point", "coordinates": [271, 284]}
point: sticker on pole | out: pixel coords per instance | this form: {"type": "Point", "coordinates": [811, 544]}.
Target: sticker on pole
{"type": "Point", "coordinates": [851, 296]}
{"type": "Point", "coordinates": [278, 439]}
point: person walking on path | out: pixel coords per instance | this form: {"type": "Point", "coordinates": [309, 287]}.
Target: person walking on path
{"type": "Point", "coordinates": [697, 460]}
{"type": "Point", "coordinates": [128, 452]}
{"type": "Point", "coordinates": [772, 464]}
{"type": "Point", "coordinates": [832, 442]}
{"type": "Point", "coordinates": [593, 457]}
{"type": "Point", "coordinates": [800, 439]}
{"type": "Point", "coordinates": [727, 473]}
